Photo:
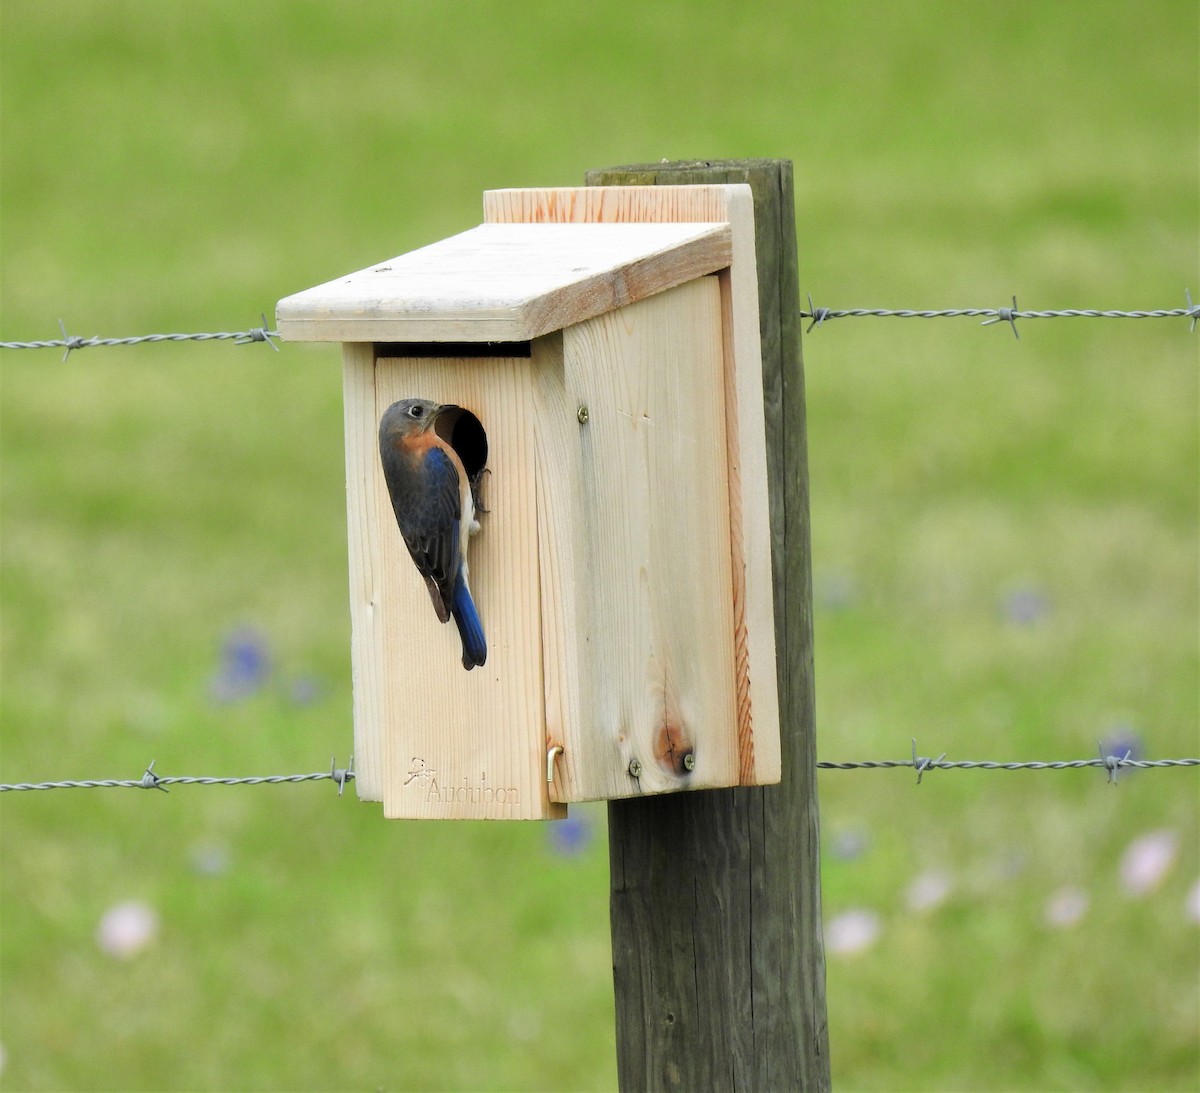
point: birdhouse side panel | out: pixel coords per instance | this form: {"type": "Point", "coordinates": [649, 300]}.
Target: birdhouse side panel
{"type": "Point", "coordinates": [362, 527]}
{"type": "Point", "coordinates": [460, 744]}
{"type": "Point", "coordinates": [655, 590]}
{"type": "Point", "coordinates": [563, 552]}
{"type": "Point", "coordinates": [750, 500]}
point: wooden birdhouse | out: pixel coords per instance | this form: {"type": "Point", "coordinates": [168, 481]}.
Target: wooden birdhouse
{"type": "Point", "coordinates": [607, 341]}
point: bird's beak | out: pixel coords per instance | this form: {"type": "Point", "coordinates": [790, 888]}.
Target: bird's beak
{"type": "Point", "coordinates": [434, 417]}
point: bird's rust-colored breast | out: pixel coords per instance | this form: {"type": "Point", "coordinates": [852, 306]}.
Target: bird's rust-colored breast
{"type": "Point", "coordinates": [414, 445]}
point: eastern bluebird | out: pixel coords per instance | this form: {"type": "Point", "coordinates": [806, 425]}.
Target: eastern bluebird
{"type": "Point", "coordinates": [434, 500]}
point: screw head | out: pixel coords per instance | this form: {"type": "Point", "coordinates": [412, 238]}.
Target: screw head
{"type": "Point", "coordinates": [689, 761]}
{"type": "Point", "coordinates": [635, 768]}
{"type": "Point", "coordinates": [582, 414]}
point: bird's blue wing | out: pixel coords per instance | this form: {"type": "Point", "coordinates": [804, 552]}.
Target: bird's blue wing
{"type": "Point", "coordinates": [426, 499]}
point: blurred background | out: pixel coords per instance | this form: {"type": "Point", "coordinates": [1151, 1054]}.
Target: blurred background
{"type": "Point", "coordinates": [1005, 532]}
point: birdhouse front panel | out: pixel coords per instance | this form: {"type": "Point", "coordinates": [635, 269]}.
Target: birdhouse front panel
{"type": "Point", "coordinates": [457, 744]}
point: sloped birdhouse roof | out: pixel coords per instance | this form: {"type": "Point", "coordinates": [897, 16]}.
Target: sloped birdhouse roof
{"type": "Point", "coordinates": [505, 282]}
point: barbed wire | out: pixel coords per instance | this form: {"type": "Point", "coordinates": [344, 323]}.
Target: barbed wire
{"type": "Point", "coordinates": [71, 342]}
{"type": "Point", "coordinates": [921, 764]}
{"type": "Point", "coordinates": [818, 315]}
{"type": "Point", "coordinates": [150, 780]}
{"type": "Point", "coordinates": [1010, 315]}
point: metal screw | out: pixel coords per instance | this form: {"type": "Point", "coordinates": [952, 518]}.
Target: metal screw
{"type": "Point", "coordinates": [689, 761]}
{"type": "Point", "coordinates": [583, 415]}
{"type": "Point", "coordinates": [635, 768]}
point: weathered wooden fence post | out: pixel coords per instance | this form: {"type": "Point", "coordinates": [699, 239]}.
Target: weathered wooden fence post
{"type": "Point", "coordinates": [718, 962]}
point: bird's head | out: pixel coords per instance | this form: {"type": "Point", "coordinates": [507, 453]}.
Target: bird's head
{"type": "Point", "coordinates": [409, 416]}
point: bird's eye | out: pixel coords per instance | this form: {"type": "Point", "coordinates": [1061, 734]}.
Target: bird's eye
{"type": "Point", "coordinates": [416, 411]}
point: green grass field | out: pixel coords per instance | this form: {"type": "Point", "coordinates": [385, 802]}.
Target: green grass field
{"type": "Point", "coordinates": [1005, 533]}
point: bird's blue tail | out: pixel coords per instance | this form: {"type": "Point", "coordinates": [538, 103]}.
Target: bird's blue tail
{"type": "Point", "coordinates": [470, 629]}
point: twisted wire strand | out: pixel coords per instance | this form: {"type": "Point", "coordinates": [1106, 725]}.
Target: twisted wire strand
{"type": "Point", "coordinates": [71, 342]}
{"type": "Point", "coordinates": [150, 780]}
{"type": "Point", "coordinates": [818, 315]}
{"type": "Point", "coordinates": [823, 313]}
{"type": "Point", "coordinates": [1112, 763]}
{"type": "Point", "coordinates": [1009, 315]}
{"type": "Point", "coordinates": [922, 765]}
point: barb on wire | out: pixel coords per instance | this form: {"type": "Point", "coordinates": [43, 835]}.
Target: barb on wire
{"type": "Point", "coordinates": [1112, 763]}
{"type": "Point", "coordinates": [1005, 315]}
{"type": "Point", "coordinates": [1010, 315]}
{"type": "Point", "coordinates": [71, 342]}
{"type": "Point", "coordinates": [150, 780]}
{"type": "Point", "coordinates": [921, 764]}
